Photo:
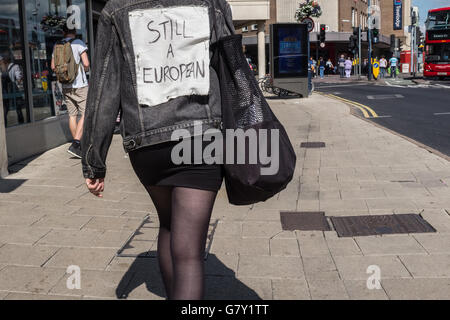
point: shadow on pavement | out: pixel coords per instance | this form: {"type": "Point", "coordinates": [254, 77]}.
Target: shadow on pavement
{"type": "Point", "coordinates": [9, 185]}
{"type": "Point", "coordinates": [220, 282]}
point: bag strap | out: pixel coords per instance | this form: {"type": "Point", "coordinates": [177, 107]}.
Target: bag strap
{"type": "Point", "coordinates": [213, 7]}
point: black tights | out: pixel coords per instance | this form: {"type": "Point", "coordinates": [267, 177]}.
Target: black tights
{"type": "Point", "coordinates": [184, 216]}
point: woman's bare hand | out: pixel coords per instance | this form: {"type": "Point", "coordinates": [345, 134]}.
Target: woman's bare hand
{"type": "Point", "coordinates": [96, 186]}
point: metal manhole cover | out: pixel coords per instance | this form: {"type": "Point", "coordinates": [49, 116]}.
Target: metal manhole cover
{"type": "Point", "coordinates": [312, 145]}
{"type": "Point", "coordinates": [143, 242]}
{"type": "Point", "coordinates": [305, 221]}
{"type": "Point", "coordinates": [380, 224]}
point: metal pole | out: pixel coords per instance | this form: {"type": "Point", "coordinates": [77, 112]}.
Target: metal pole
{"type": "Point", "coordinates": [360, 53]}
{"type": "Point", "coordinates": [369, 35]}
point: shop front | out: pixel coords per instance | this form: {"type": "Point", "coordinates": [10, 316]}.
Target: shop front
{"type": "Point", "coordinates": [34, 111]}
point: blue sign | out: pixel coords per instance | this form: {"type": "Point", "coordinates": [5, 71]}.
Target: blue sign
{"type": "Point", "coordinates": [398, 14]}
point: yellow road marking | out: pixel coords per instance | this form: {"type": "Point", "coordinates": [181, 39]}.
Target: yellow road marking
{"type": "Point", "coordinates": [358, 105]}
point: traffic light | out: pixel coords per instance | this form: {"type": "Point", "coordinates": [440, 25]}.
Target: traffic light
{"type": "Point", "coordinates": [323, 30]}
{"type": "Point", "coordinates": [375, 35]}
{"type": "Point", "coordinates": [353, 43]}
{"type": "Point", "coordinates": [393, 42]}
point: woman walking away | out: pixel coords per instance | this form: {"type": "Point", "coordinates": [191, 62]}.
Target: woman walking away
{"type": "Point", "coordinates": [348, 67]}
{"type": "Point", "coordinates": [137, 43]}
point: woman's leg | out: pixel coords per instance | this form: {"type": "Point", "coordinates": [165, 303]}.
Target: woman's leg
{"type": "Point", "coordinates": [162, 198]}
{"type": "Point", "coordinates": [191, 213]}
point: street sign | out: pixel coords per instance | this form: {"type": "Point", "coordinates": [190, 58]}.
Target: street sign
{"type": "Point", "coordinates": [376, 69]}
{"type": "Point", "coordinates": [310, 24]}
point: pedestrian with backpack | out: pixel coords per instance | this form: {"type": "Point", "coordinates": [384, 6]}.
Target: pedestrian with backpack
{"type": "Point", "coordinates": [70, 63]}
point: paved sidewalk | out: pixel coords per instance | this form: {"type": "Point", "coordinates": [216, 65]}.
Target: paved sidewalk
{"type": "Point", "coordinates": [49, 221]}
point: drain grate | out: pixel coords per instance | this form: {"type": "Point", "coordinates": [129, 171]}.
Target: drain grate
{"type": "Point", "coordinates": [380, 224]}
{"type": "Point", "coordinates": [312, 145]}
{"type": "Point", "coordinates": [305, 221]}
{"type": "Point", "coordinates": [143, 242]}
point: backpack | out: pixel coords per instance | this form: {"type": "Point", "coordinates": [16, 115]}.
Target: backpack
{"type": "Point", "coordinates": [65, 67]}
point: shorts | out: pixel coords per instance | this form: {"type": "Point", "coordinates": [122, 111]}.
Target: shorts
{"type": "Point", "coordinates": [75, 100]}
{"type": "Point", "coordinates": [154, 167]}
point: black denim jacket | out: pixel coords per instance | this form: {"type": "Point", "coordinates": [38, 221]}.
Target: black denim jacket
{"type": "Point", "coordinates": [113, 86]}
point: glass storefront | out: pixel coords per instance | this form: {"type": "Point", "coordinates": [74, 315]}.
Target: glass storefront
{"type": "Point", "coordinates": [36, 89]}
{"type": "Point", "coordinates": [12, 64]}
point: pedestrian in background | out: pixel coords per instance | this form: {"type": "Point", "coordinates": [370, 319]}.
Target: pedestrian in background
{"type": "Point", "coordinates": [12, 85]}
{"type": "Point", "coordinates": [329, 67]}
{"type": "Point", "coordinates": [383, 66]}
{"type": "Point", "coordinates": [393, 65]}
{"type": "Point", "coordinates": [365, 67]}
{"type": "Point", "coordinates": [348, 64]}
{"type": "Point", "coordinates": [75, 93]}
{"type": "Point", "coordinates": [341, 65]}
{"type": "Point", "coordinates": [321, 65]}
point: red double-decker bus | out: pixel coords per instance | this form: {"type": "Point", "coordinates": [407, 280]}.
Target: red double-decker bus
{"type": "Point", "coordinates": [437, 43]}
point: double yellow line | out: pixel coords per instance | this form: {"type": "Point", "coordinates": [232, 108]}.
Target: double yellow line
{"type": "Point", "coordinates": [364, 109]}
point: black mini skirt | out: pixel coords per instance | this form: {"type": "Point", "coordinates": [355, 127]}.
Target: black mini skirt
{"type": "Point", "coordinates": [154, 167]}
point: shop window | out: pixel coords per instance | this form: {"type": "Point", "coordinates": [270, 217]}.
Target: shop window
{"type": "Point", "coordinates": [44, 19]}
{"type": "Point", "coordinates": [12, 65]}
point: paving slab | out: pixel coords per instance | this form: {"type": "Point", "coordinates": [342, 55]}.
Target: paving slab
{"type": "Point", "coordinates": [63, 222]}
{"type": "Point", "coordinates": [417, 289]}
{"type": "Point", "coordinates": [29, 279]}
{"type": "Point", "coordinates": [328, 289]}
{"type": "Point", "coordinates": [312, 243]}
{"type": "Point", "coordinates": [394, 244]}
{"type": "Point", "coordinates": [428, 266]}
{"type": "Point", "coordinates": [357, 267]}
{"type": "Point", "coordinates": [270, 267]}
{"type": "Point", "coordinates": [434, 243]}
{"type": "Point", "coordinates": [242, 246]}
{"type": "Point", "coordinates": [100, 284]}
{"type": "Point", "coordinates": [358, 290]}
{"type": "Point", "coordinates": [342, 246]}
{"type": "Point", "coordinates": [21, 235]}
{"type": "Point", "coordinates": [290, 289]}
{"type": "Point", "coordinates": [69, 238]}
{"type": "Point", "coordinates": [85, 258]}
{"type": "Point", "coordinates": [284, 247]}
{"type": "Point", "coordinates": [320, 268]}
{"type": "Point", "coordinates": [113, 223]}
{"type": "Point", "coordinates": [26, 255]}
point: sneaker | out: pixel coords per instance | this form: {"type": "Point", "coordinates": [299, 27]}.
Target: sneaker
{"type": "Point", "coordinates": [75, 150]}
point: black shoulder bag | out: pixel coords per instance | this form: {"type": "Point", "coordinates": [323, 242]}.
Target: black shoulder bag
{"type": "Point", "coordinates": [245, 109]}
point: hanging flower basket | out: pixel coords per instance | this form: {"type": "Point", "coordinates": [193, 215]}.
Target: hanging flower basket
{"type": "Point", "coordinates": [52, 22]}
{"type": "Point", "coordinates": [308, 9]}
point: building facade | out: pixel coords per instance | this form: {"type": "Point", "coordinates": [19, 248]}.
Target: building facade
{"type": "Point", "coordinates": [389, 20]}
